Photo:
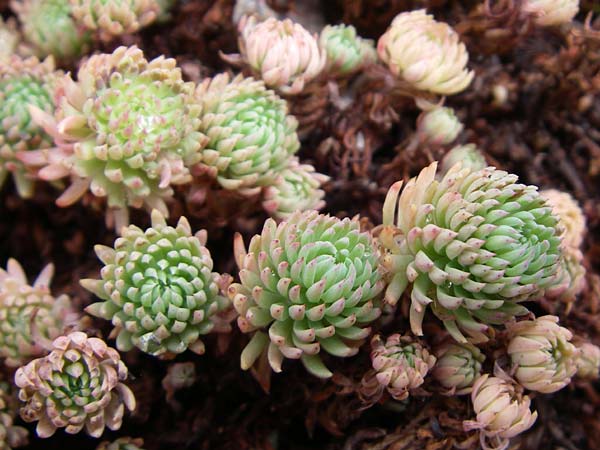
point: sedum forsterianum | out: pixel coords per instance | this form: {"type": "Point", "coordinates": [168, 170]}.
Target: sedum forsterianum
{"type": "Point", "coordinates": [125, 130]}
{"type": "Point", "coordinates": [49, 27]}
{"type": "Point", "coordinates": [23, 82]}
{"type": "Point", "coordinates": [472, 246]}
{"type": "Point", "coordinates": [457, 367]}
{"type": "Point", "coordinates": [425, 53]}
{"type": "Point", "coordinates": [251, 137]}
{"type": "Point", "coordinates": [78, 385]}
{"type": "Point", "coordinates": [468, 155]}
{"type": "Point", "coordinates": [308, 284]}
{"type": "Point", "coordinates": [551, 12]}
{"type": "Point", "coordinates": [124, 443]}
{"type": "Point", "coordinates": [30, 316]}
{"type": "Point", "coordinates": [158, 288]}
{"type": "Point", "coordinates": [11, 436]}
{"type": "Point", "coordinates": [9, 38]}
{"type": "Point", "coordinates": [588, 361]}
{"type": "Point", "coordinates": [346, 52]}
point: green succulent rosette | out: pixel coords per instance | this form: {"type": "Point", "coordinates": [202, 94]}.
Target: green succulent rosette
{"type": "Point", "coordinates": [346, 52]}
{"type": "Point", "coordinates": [307, 285]}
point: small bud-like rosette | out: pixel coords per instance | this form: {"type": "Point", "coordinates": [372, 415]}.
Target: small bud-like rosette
{"type": "Point", "coordinates": [298, 188]}
{"type": "Point", "coordinates": [468, 155]}
{"type": "Point", "coordinates": [346, 52]}
{"type": "Point", "coordinates": [457, 367]}
{"type": "Point", "coordinates": [472, 245]}
{"type": "Point", "coordinates": [399, 366]}
{"type": "Point", "coordinates": [115, 17]}
{"type": "Point", "coordinates": [124, 443]}
{"type": "Point", "coordinates": [79, 384]}
{"type": "Point", "coordinates": [570, 216]}
{"type": "Point", "coordinates": [125, 130]}
{"type": "Point", "coordinates": [30, 316]}
{"type": "Point", "coordinates": [502, 411]}
{"type": "Point", "coordinates": [425, 53]}
{"type": "Point", "coordinates": [588, 361]}
{"type": "Point", "coordinates": [23, 82]}
{"type": "Point", "coordinates": [159, 288]}
{"type": "Point", "coordinates": [310, 283]}
{"type": "Point", "coordinates": [551, 12]}
{"type": "Point", "coordinates": [49, 27]}
{"type": "Point", "coordinates": [280, 52]}
{"type": "Point", "coordinates": [251, 137]}
{"type": "Point", "coordinates": [542, 356]}
{"type": "Point", "coordinates": [11, 436]}
{"type": "Point", "coordinates": [439, 126]}
{"type": "Point", "coordinates": [9, 37]}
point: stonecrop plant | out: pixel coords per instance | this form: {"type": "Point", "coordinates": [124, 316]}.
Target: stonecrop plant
{"type": "Point", "coordinates": [77, 385]}
{"type": "Point", "coordinates": [9, 38]}
{"type": "Point", "coordinates": [11, 436]}
{"type": "Point", "coordinates": [158, 289]}
{"type": "Point", "coordinates": [126, 130]}
{"type": "Point", "coordinates": [251, 137]}
{"type": "Point", "coordinates": [23, 82]}
{"type": "Point", "coordinates": [310, 283]}
{"type": "Point", "coordinates": [457, 367]}
{"type": "Point", "coordinates": [346, 52]}
{"type": "Point", "coordinates": [551, 12]}
{"type": "Point", "coordinates": [472, 246]}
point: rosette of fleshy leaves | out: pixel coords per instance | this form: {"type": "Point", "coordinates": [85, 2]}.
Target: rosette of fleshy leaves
{"type": "Point", "coordinates": [457, 367]}
{"type": "Point", "coordinates": [472, 246]}
{"type": "Point", "coordinates": [125, 130]}
{"type": "Point", "coordinates": [280, 52]}
{"type": "Point", "coordinates": [309, 284]}
{"type": "Point", "coordinates": [438, 125]}
{"type": "Point", "coordinates": [251, 137]}
{"type": "Point", "coordinates": [158, 288]}
{"type": "Point", "coordinates": [23, 82]}
{"type": "Point", "coordinates": [542, 356]}
{"type": "Point", "coordinates": [124, 443]}
{"type": "Point", "coordinates": [9, 38]}
{"type": "Point", "coordinates": [570, 216]}
{"type": "Point", "coordinates": [78, 385]}
{"type": "Point", "coordinates": [426, 54]}
{"type": "Point", "coordinates": [399, 367]}
{"type": "Point", "coordinates": [11, 436]}
{"type": "Point", "coordinates": [551, 12]}
{"type": "Point", "coordinates": [588, 361]}
{"type": "Point", "coordinates": [298, 188]}
{"type": "Point", "coordinates": [502, 411]}
{"type": "Point", "coordinates": [346, 52]}
{"type": "Point", "coordinates": [50, 29]}
{"type": "Point", "coordinates": [112, 18]}
{"type": "Point", "coordinates": [468, 155]}
{"type": "Point", "coordinates": [30, 317]}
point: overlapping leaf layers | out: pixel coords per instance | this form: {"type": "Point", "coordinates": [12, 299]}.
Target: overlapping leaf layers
{"type": "Point", "coordinates": [473, 246]}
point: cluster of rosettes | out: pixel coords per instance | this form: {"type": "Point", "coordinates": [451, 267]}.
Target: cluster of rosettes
{"type": "Point", "coordinates": [124, 443]}
{"type": "Point", "coordinates": [425, 53]}
{"type": "Point", "coordinates": [78, 385]}
{"type": "Point", "coordinates": [472, 245]}
{"type": "Point", "coordinates": [11, 436]}
{"type": "Point", "coordinates": [551, 12]}
{"type": "Point", "coordinates": [281, 53]}
{"type": "Point", "coordinates": [30, 317]}
{"type": "Point", "coordinates": [126, 130]}
{"type": "Point", "coordinates": [399, 367]}
{"type": "Point", "coordinates": [308, 284]}
{"type": "Point", "coordinates": [346, 52]}
{"type": "Point", "coordinates": [457, 367]}
{"type": "Point", "coordinates": [159, 288]}
{"type": "Point", "coordinates": [23, 82]}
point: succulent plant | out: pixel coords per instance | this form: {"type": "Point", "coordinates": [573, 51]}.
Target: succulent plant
{"type": "Point", "coordinates": [502, 411]}
{"type": "Point", "coordinates": [551, 12]}
{"type": "Point", "coordinates": [570, 216]}
{"type": "Point", "coordinates": [543, 358]}
{"type": "Point", "coordinates": [425, 53]}
{"type": "Point", "coordinates": [115, 17]}
{"type": "Point", "coordinates": [282, 53]}
{"type": "Point", "coordinates": [251, 137]}
{"type": "Point", "coordinates": [468, 155]}
{"type": "Point", "coordinates": [23, 82]}
{"type": "Point", "coordinates": [457, 367]}
{"type": "Point", "coordinates": [126, 130]}
{"type": "Point", "coordinates": [472, 246]}
{"type": "Point", "coordinates": [179, 376]}
{"type": "Point", "coordinates": [439, 126]}
{"type": "Point", "coordinates": [79, 384]}
{"type": "Point", "coordinates": [399, 365]}
{"type": "Point", "coordinates": [298, 188]}
{"type": "Point", "coordinates": [158, 288]}
{"type": "Point", "coordinates": [308, 284]}
{"type": "Point", "coordinates": [11, 436]}
{"type": "Point", "coordinates": [124, 443]}
{"type": "Point", "coordinates": [9, 38]}
{"type": "Point", "coordinates": [588, 361]}
{"type": "Point", "coordinates": [346, 52]}
{"type": "Point", "coordinates": [30, 317]}
{"type": "Point", "coordinates": [49, 27]}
